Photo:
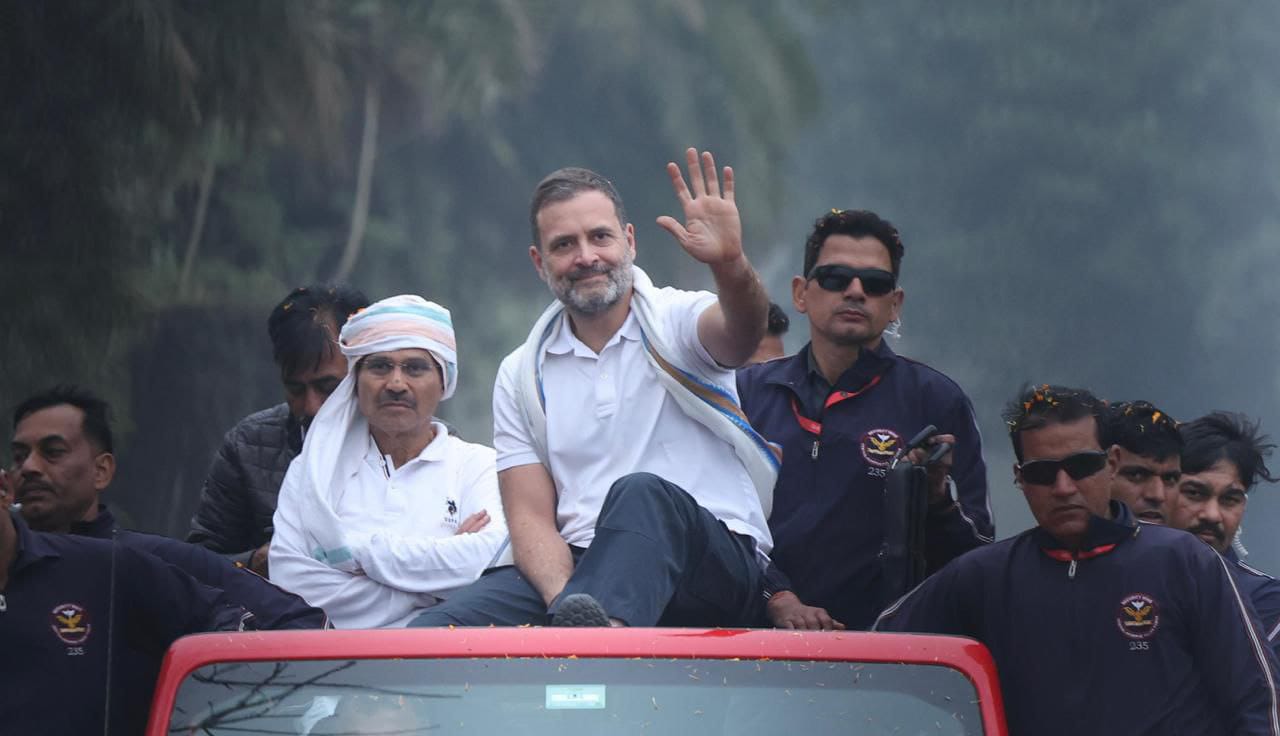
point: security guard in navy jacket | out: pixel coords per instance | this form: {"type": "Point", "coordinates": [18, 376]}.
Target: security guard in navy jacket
{"type": "Point", "coordinates": [841, 409]}
{"type": "Point", "coordinates": [63, 461]}
{"type": "Point", "coordinates": [1223, 458]}
{"type": "Point", "coordinates": [84, 624]}
{"type": "Point", "coordinates": [1099, 625]}
{"type": "Point", "coordinates": [828, 504]}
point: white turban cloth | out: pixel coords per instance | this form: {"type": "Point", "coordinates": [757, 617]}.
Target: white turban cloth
{"type": "Point", "coordinates": [399, 323]}
{"type": "Point", "coordinates": [338, 437]}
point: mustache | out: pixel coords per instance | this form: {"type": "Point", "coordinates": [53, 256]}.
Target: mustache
{"type": "Point", "coordinates": [30, 486]}
{"type": "Point", "coordinates": [400, 400]}
{"type": "Point", "coordinates": [1215, 529]}
{"type": "Point", "coordinates": [582, 273]}
{"type": "Point", "coordinates": [1148, 507]}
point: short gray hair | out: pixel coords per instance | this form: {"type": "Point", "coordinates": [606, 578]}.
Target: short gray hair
{"type": "Point", "coordinates": [565, 184]}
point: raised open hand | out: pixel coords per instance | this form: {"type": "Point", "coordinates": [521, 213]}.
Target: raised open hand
{"type": "Point", "coordinates": [712, 229]}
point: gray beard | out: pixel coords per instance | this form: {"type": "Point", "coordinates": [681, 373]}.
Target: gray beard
{"type": "Point", "coordinates": [619, 279]}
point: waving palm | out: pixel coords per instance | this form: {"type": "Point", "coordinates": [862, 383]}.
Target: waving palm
{"type": "Point", "coordinates": [712, 231]}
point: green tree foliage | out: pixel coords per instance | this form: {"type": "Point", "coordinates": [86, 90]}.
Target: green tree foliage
{"type": "Point", "coordinates": [197, 160]}
{"type": "Point", "coordinates": [65, 242]}
{"type": "Point", "coordinates": [1086, 189]}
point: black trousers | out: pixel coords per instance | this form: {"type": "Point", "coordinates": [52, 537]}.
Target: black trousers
{"type": "Point", "coordinates": [658, 558]}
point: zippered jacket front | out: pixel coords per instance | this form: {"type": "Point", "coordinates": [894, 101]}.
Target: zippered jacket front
{"type": "Point", "coordinates": [837, 444]}
{"type": "Point", "coordinates": [1143, 630]}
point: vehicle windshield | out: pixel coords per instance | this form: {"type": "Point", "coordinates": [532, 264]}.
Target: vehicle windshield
{"type": "Point", "coordinates": [567, 696]}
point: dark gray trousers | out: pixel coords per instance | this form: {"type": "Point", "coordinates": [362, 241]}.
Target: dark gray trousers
{"type": "Point", "coordinates": [658, 558]}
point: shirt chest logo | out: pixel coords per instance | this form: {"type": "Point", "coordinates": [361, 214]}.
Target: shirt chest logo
{"type": "Point", "coordinates": [879, 446]}
{"type": "Point", "coordinates": [1138, 617]}
{"type": "Point", "coordinates": [70, 622]}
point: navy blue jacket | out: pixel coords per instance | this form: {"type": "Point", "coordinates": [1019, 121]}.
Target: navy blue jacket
{"type": "Point", "coordinates": [827, 519]}
{"type": "Point", "coordinates": [1263, 591]}
{"type": "Point", "coordinates": [1142, 632]}
{"type": "Point", "coordinates": [273, 607]}
{"type": "Point", "coordinates": [68, 597]}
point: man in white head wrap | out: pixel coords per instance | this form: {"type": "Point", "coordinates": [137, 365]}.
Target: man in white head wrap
{"type": "Point", "coordinates": [384, 513]}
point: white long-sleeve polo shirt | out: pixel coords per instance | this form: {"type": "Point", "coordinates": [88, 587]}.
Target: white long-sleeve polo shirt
{"type": "Point", "coordinates": [399, 524]}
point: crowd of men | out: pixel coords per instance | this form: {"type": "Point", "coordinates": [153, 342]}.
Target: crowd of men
{"type": "Point", "coordinates": [657, 460]}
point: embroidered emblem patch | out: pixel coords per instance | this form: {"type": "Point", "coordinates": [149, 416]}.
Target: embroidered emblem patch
{"type": "Point", "coordinates": [879, 446]}
{"type": "Point", "coordinates": [452, 506]}
{"type": "Point", "coordinates": [1139, 616]}
{"type": "Point", "coordinates": [70, 622]}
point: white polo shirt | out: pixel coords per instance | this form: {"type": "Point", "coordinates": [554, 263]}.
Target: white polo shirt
{"type": "Point", "coordinates": [608, 416]}
{"type": "Point", "coordinates": [400, 525]}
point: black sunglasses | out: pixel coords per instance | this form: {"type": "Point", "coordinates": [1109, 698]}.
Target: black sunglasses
{"type": "Point", "coordinates": [1079, 466]}
{"type": "Point", "coordinates": [833, 277]}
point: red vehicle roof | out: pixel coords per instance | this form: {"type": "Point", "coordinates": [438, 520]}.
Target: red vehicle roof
{"type": "Point", "coordinates": [965, 655]}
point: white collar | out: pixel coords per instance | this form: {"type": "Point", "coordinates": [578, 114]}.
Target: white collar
{"type": "Point", "coordinates": [433, 452]}
{"type": "Point", "coordinates": [563, 340]}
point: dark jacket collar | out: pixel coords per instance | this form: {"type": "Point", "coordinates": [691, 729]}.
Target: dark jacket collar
{"type": "Point", "coordinates": [32, 545]}
{"type": "Point", "coordinates": [294, 433]}
{"type": "Point", "coordinates": [100, 528]}
{"type": "Point", "coordinates": [802, 367]}
{"type": "Point", "coordinates": [1101, 537]}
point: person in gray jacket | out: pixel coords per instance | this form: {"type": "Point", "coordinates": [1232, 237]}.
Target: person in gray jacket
{"type": "Point", "coordinates": [239, 495]}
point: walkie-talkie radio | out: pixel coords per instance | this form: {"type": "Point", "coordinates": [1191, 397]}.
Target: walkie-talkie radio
{"type": "Point", "coordinates": [906, 506]}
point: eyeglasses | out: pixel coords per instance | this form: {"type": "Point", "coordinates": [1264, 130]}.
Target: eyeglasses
{"type": "Point", "coordinates": [1079, 466]}
{"type": "Point", "coordinates": [834, 277]}
{"type": "Point", "coordinates": [382, 367]}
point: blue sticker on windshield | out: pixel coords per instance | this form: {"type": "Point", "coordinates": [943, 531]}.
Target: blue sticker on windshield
{"type": "Point", "coordinates": [575, 697]}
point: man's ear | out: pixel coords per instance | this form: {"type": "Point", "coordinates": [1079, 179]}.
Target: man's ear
{"type": "Point", "coordinates": [104, 469]}
{"type": "Point", "coordinates": [798, 284]}
{"type": "Point", "coordinates": [898, 297]}
{"type": "Point", "coordinates": [629, 231]}
{"type": "Point", "coordinates": [1113, 460]}
{"type": "Point", "coordinates": [1017, 477]}
{"type": "Point", "coordinates": [535, 255]}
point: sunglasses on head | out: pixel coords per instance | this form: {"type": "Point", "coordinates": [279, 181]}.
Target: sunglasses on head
{"type": "Point", "coordinates": [1079, 466]}
{"type": "Point", "coordinates": [833, 277]}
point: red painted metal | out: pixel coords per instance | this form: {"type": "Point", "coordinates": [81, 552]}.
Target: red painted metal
{"type": "Point", "coordinates": [966, 655]}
